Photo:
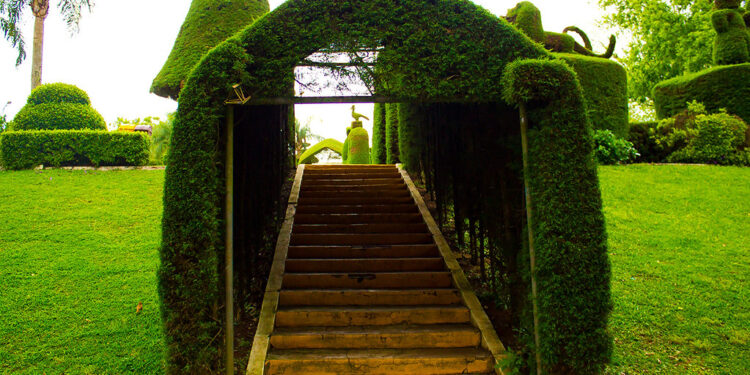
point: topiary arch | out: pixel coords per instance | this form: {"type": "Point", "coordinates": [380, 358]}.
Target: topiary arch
{"type": "Point", "coordinates": [433, 52]}
{"type": "Point", "coordinates": [326, 144]}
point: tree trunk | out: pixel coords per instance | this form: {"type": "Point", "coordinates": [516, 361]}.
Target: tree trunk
{"type": "Point", "coordinates": [40, 9]}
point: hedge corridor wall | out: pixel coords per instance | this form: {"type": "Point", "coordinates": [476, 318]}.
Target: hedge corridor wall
{"type": "Point", "coordinates": [434, 51]}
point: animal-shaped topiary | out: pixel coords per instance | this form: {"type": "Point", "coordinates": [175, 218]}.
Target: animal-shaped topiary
{"type": "Point", "coordinates": [527, 18]}
{"type": "Point", "coordinates": [359, 146]}
{"type": "Point", "coordinates": [732, 42]}
{"type": "Point", "coordinates": [58, 106]}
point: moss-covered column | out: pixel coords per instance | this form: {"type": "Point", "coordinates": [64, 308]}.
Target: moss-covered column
{"type": "Point", "coordinates": [379, 155]}
{"type": "Point", "coordinates": [391, 134]}
{"type": "Point", "coordinates": [572, 267]}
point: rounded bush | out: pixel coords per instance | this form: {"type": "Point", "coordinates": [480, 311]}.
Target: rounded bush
{"type": "Point", "coordinates": [58, 93]}
{"type": "Point", "coordinates": [726, 4]}
{"type": "Point", "coordinates": [718, 137]}
{"type": "Point", "coordinates": [58, 116]}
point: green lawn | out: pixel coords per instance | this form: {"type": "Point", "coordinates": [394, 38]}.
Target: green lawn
{"type": "Point", "coordinates": [78, 251]}
{"type": "Point", "coordinates": [680, 249]}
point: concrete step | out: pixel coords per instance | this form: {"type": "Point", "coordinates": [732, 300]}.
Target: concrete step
{"type": "Point", "coordinates": [376, 337]}
{"type": "Point", "coordinates": [364, 297]}
{"type": "Point", "coordinates": [353, 201]}
{"type": "Point", "coordinates": [358, 218]}
{"type": "Point", "coordinates": [361, 228]}
{"type": "Point", "coordinates": [372, 280]}
{"type": "Point", "coordinates": [383, 251]}
{"type": "Point", "coordinates": [327, 193]}
{"type": "Point", "coordinates": [344, 316]}
{"type": "Point", "coordinates": [358, 209]}
{"type": "Point", "coordinates": [325, 167]}
{"type": "Point", "coordinates": [379, 361]}
{"type": "Point", "coordinates": [360, 239]}
{"type": "Point", "coordinates": [365, 265]}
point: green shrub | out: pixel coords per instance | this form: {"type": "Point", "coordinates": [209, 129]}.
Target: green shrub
{"type": "Point", "coordinates": [610, 149]}
{"type": "Point", "coordinates": [28, 149]}
{"type": "Point", "coordinates": [391, 133]}
{"type": "Point", "coordinates": [379, 154]}
{"type": "Point", "coordinates": [58, 116]}
{"type": "Point", "coordinates": [58, 106]}
{"type": "Point", "coordinates": [605, 90]}
{"type": "Point", "coordinates": [715, 139]}
{"type": "Point", "coordinates": [573, 270]}
{"type": "Point", "coordinates": [359, 147]}
{"type": "Point", "coordinates": [409, 117]}
{"type": "Point", "coordinates": [732, 42]}
{"type": "Point", "coordinates": [58, 93]}
{"type": "Point", "coordinates": [345, 147]}
{"type": "Point", "coordinates": [638, 135]}
{"type": "Point", "coordinates": [528, 19]}
{"type": "Point", "coordinates": [719, 87]}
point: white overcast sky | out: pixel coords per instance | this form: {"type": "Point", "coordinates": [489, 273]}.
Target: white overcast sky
{"type": "Point", "coordinates": [122, 45]}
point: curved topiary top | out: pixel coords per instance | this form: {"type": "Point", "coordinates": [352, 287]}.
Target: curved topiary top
{"type": "Point", "coordinates": [58, 93]}
{"type": "Point", "coordinates": [329, 144]}
{"type": "Point", "coordinates": [528, 19]}
{"type": "Point", "coordinates": [58, 106]}
{"type": "Point", "coordinates": [207, 24]}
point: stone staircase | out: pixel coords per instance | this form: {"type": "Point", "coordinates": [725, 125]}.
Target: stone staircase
{"type": "Point", "coordinates": [365, 289]}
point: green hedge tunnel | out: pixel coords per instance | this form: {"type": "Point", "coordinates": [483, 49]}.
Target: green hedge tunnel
{"type": "Point", "coordinates": [463, 52]}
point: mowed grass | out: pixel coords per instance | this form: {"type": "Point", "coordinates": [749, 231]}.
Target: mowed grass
{"type": "Point", "coordinates": [78, 251]}
{"type": "Point", "coordinates": [679, 242]}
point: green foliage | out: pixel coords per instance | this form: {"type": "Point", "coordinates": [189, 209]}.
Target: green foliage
{"type": "Point", "coordinates": [573, 269]}
{"type": "Point", "coordinates": [161, 136]}
{"type": "Point", "coordinates": [359, 146]}
{"type": "Point", "coordinates": [28, 149]}
{"type": "Point", "coordinates": [345, 147]}
{"type": "Point", "coordinates": [303, 135]}
{"type": "Point", "coordinates": [58, 93]}
{"type": "Point", "coordinates": [669, 38]}
{"type": "Point", "coordinates": [208, 23]}
{"type": "Point", "coordinates": [391, 133]}
{"type": "Point", "coordinates": [719, 87]}
{"type": "Point", "coordinates": [326, 144]}
{"type": "Point", "coordinates": [639, 136]}
{"type": "Point", "coordinates": [262, 58]}
{"type": "Point", "coordinates": [717, 139]}
{"type": "Point", "coordinates": [409, 117]}
{"type": "Point", "coordinates": [379, 154]}
{"type": "Point", "coordinates": [605, 91]}
{"type": "Point", "coordinates": [610, 149]}
{"type": "Point", "coordinates": [58, 116]}
{"type": "Point", "coordinates": [58, 106]}
{"type": "Point", "coordinates": [528, 19]}
{"type": "Point", "coordinates": [732, 42]}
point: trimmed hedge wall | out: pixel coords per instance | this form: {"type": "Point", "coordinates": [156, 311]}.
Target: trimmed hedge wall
{"type": "Point", "coordinates": [28, 149]}
{"type": "Point", "coordinates": [208, 23]}
{"type": "Point", "coordinates": [378, 153]}
{"type": "Point", "coordinates": [605, 91]}
{"type": "Point", "coordinates": [359, 147]}
{"type": "Point", "coordinates": [409, 118]}
{"type": "Point", "coordinates": [391, 134]}
{"type": "Point", "coordinates": [572, 267]}
{"type": "Point", "coordinates": [719, 87]}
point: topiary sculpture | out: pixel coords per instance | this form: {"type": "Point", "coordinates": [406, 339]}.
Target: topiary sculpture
{"type": "Point", "coordinates": [58, 106]}
{"type": "Point", "coordinates": [527, 18]}
{"type": "Point", "coordinates": [359, 146]}
{"type": "Point", "coordinates": [732, 42]}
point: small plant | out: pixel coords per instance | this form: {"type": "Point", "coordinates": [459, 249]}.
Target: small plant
{"type": "Point", "coordinates": [609, 149]}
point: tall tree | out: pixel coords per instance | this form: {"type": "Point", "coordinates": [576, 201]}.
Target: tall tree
{"type": "Point", "coordinates": [11, 13]}
{"type": "Point", "coordinates": [669, 38]}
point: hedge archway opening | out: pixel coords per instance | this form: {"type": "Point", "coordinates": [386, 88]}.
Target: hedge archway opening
{"type": "Point", "coordinates": [458, 73]}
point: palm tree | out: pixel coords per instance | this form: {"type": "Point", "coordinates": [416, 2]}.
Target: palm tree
{"type": "Point", "coordinates": [11, 12]}
{"type": "Point", "coordinates": [303, 136]}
